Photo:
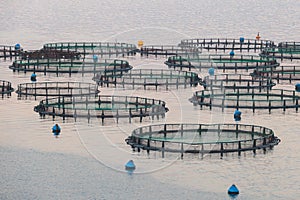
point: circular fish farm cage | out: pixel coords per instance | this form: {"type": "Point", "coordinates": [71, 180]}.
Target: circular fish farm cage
{"type": "Point", "coordinates": [253, 99]}
{"type": "Point", "coordinates": [70, 66]}
{"type": "Point", "coordinates": [149, 78]}
{"type": "Point", "coordinates": [220, 44]}
{"type": "Point", "coordinates": [223, 62]}
{"type": "Point", "coordinates": [168, 50]}
{"type": "Point", "coordinates": [284, 51]}
{"type": "Point", "coordinates": [103, 107]}
{"type": "Point", "coordinates": [202, 138]}
{"type": "Point", "coordinates": [56, 89]}
{"type": "Point", "coordinates": [9, 52]}
{"type": "Point", "coordinates": [281, 74]}
{"type": "Point", "coordinates": [236, 81]}
{"type": "Point", "coordinates": [5, 88]}
{"type": "Point", "coordinates": [95, 48]}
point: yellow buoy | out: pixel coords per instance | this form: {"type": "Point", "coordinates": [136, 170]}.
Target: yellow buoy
{"type": "Point", "coordinates": [257, 37]}
{"type": "Point", "coordinates": [140, 43]}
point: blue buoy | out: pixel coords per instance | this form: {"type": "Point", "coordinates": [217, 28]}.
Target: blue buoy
{"type": "Point", "coordinates": [231, 53]}
{"type": "Point", "coordinates": [211, 71]}
{"type": "Point", "coordinates": [130, 166]}
{"type": "Point", "coordinates": [33, 77]}
{"type": "Point", "coordinates": [233, 190]}
{"type": "Point", "coordinates": [17, 47]}
{"type": "Point", "coordinates": [242, 40]}
{"type": "Point", "coordinates": [237, 115]}
{"type": "Point", "coordinates": [56, 130]}
{"type": "Point", "coordinates": [297, 87]}
{"type": "Point", "coordinates": [95, 58]}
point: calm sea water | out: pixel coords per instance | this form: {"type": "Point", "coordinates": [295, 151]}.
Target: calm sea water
{"type": "Point", "coordinates": [87, 161]}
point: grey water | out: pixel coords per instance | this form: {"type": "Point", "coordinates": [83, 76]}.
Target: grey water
{"type": "Point", "coordinates": [87, 160]}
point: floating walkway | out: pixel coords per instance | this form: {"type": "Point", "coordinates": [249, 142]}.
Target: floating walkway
{"type": "Point", "coordinates": [223, 62]}
{"type": "Point", "coordinates": [237, 82]}
{"type": "Point", "coordinates": [202, 138]}
{"type": "Point", "coordinates": [224, 44]}
{"type": "Point", "coordinates": [168, 50]}
{"type": "Point", "coordinates": [5, 88]}
{"type": "Point", "coordinates": [56, 89]}
{"type": "Point", "coordinates": [95, 48]}
{"type": "Point", "coordinates": [149, 78]}
{"type": "Point", "coordinates": [242, 99]}
{"type": "Point", "coordinates": [70, 66]}
{"type": "Point", "coordinates": [284, 51]}
{"type": "Point", "coordinates": [102, 107]}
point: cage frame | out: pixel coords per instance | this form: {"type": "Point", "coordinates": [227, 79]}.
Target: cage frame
{"type": "Point", "coordinates": [149, 78]}
{"type": "Point", "coordinates": [258, 137]}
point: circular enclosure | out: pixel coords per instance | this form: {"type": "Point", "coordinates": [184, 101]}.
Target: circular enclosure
{"type": "Point", "coordinates": [149, 78]}
{"type": "Point", "coordinates": [222, 62]}
{"type": "Point", "coordinates": [51, 89]}
{"type": "Point", "coordinates": [284, 51]}
{"type": "Point", "coordinates": [243, 99]}
{"type": "Point", "coordinates": [9, 52]}
{"type": "Point", "coordinates": [103, 107]}
{"type": "Point", "coordinates": [5, 88]}
{"type": "Point", "coordinates": [236, 81]}
{"type": "Point", "coordinates": [225, 44]}
{"type": "Point", "coordinates": [282, 73]}
{"type": "Point", "coordinates": [70, 66]}
{"type": "Point", "coordinates": [49, 54]}
{"type": "Point", "coordinates": [202, 138]}
{"type": "Point", "coordinates": [98, 48]}
{"type": "Point", "coordinates": [168, 50]}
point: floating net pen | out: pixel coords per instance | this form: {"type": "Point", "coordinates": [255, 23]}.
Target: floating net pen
{"type": "Point", "coordinates": [97, 48]}
{"type": "Point", "coordinates": [281, 74]}
{"type": "Point", "coordinates": [222, 62]}
{"type": "Point", "coordinates": [284, 51]}
{"type": "Point", "coordinates": [242, 99]}
{"type": "Point", "coordinates": [56, 89]}
{"type": "Point", "coordinates": [237, 81]}
{"type": "Point", "coordinates": [9, 52]}
{"type": "Point", "coordinates": [49, 54]}
{"type": "Point", "coordinates": [224, 44]}
{"type": "Point", "coordinates": [5, 88]}
{"type": "Point", "coordinates": [149, 78]}
{"type": "Point", "coordinates": [70, 66]}
{"type": "Point", "coordinates": [202, 139]}
{"type": "Point", "coordinates": [102, 107]}
{"type": "Point", "coordinates": [168, 50]}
